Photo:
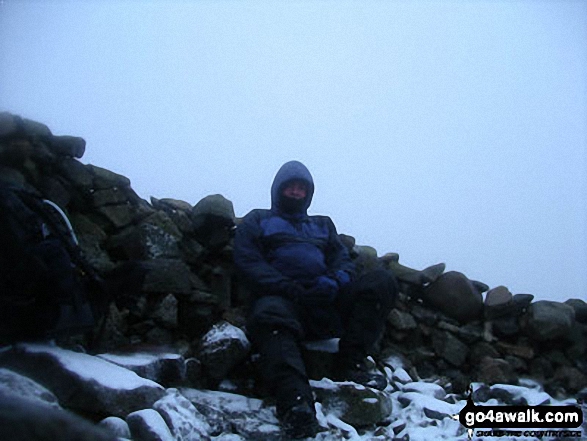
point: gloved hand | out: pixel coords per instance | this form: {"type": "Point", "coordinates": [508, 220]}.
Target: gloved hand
{"type": "Point", "coordinates": [322, 293]}
{"type": "Point", "coordinates": [342, 277]}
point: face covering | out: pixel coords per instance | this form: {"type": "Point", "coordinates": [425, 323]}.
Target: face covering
{"type": "Point", "coordinates": [291, 205]}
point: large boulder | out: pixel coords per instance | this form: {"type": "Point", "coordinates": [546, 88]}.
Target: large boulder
{"type": "Point", "coordinates": [222, 348]}
{"type": "Point", "coordinates": [183, 419]}
{"type": "Point", "coordinates": [213, 220]}
{"type": "Point", "coordinates": [13, 383]}
{"type": "Point", "coordinates": [354, 404]}
{"type": "Point", "coordinates": [82, 382]}
{"type": "Point", "coordinates": [159, 366]}
{"type": "Point", "coordinates": [547, 320]}
{"type": "Point", "coordinates": [23, 419]}
{"type": "Point", "coordinates": [454, 295]}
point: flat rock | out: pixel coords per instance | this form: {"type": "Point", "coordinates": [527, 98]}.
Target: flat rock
{"type": "Point", "coordinates": [164, 368]}
{"type": "Point", "coordinates": [22, 419]}
{"type": "Point", "coordinates": [183, 419]}
{"type": "Point", "coordinates": [81, 381]}
{"type": "Point", "coordinates": [352, 403]}
{"type": "Point", "coordinates": [249, 417]}
{"type": "Point", "coordinates": [13, 383]}
{"type": "Point", "coordinates": [429, 389]}
{"type": "Point", "coordinates": [548, 320]}
{"type": "Point", "coordinates": [148, 425]}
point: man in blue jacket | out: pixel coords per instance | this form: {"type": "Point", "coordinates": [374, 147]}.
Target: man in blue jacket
{"type": "Point", "coordinates": [304, 287]}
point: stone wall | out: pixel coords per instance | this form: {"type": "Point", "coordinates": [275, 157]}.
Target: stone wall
{"type": "Point", "coordinates": [189, 284]}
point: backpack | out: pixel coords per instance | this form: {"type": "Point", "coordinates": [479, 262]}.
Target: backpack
{"type": "Point", "coordinates": [46, 286]}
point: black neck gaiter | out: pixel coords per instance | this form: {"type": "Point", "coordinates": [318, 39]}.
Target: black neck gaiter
{"type": "Point", "coordinates": [291, 205]}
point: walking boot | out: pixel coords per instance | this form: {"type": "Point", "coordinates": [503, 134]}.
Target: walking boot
{"type": "Point", "coordinates": [298, 420]}
{"type": "Point", "coordinates": [359, 372]}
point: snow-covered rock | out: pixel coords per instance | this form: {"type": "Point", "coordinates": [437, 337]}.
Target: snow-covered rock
{"type": "Point", "coordinates": [116, 427]}
{"type": "Point", "coordinates": [222, 348]}
{"type": "Point", "coordinates": [183, 419]}
{"type": "Point", "coordinates": [83, 382]}
{"type": "Point", "coordinates": [164, 368]}
{"type": "Point", "coordinates": [352, 403]}
{"type": "Point", "coordinates": [430, 389]}
{"type": "Point", "coordinates": [12, 383]}
{"type": "Point", "coordinates": [28, 419]}
{"type": "Point", "coordinates": [148, 425]}
{"type": "Point", "coordinates": [249, 417]}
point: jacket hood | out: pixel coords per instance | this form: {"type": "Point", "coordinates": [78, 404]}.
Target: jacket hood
{"type": "Point", "coordinates": [289, 171]}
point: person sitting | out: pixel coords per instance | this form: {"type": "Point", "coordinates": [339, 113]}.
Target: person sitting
{"type": "Point", "coordinates": [305, 288]}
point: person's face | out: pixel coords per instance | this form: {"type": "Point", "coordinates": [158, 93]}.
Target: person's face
{"type": "Point", "coordinates": [295, 190]}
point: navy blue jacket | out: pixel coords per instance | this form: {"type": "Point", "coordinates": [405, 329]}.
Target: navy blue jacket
{"type": "Point", "coordinates": [272, 248]}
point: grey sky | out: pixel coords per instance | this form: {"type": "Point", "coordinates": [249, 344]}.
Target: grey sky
{"type": "Point", "coordinates": [450, 131]}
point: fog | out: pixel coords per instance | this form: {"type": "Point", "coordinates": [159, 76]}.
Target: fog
{"type": "Point", "coordinates": [445, 131]}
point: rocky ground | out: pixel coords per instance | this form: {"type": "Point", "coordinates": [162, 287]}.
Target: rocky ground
{"type": "Point", "coordinates": [173, 362]}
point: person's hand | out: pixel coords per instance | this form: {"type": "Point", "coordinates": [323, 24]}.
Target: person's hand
{"type": "Point", "coordinates": [322, 293]}
{"type": "Point", "coordinates": [342, 277]}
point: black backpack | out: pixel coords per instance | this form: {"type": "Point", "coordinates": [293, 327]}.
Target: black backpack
{"type": "Point", "coordinates": [47, 288]}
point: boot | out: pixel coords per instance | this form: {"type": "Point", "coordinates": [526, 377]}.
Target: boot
{"type": "Point", "coordinates": [299, 419]}
{"type": "Point", "coordinates": [359, 372]}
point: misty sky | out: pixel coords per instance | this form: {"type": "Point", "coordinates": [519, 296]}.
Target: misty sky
{"type": "Point", "coordinates": [451, 131]}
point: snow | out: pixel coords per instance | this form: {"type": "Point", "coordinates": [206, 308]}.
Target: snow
{"type": "Point", "coordinates": [137, 359]}
{"type": "Point", "coordinates": [92, 368]}
{"type": "Point", "coordinates": [225, 331]}
{"type": "Point", "coordinates": [422, 387]}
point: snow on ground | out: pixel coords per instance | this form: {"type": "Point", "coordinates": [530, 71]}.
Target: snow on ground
{"type": "Point", "coordinates": [92, 368]}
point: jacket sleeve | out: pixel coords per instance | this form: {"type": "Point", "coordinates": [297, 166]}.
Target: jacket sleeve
{"type": "Point", "coordinates": [337, 255]}
{"type": "Point", "coordinates": [251, 263]}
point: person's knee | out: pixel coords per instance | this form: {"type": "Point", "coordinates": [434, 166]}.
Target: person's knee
{"type": "Point", "coordinates": [273, 313]}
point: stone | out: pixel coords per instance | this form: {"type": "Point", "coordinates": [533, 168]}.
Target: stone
{"type": "Point", "coordinates": [505, 326]}
{"type": "Point", "coordinates": [400, 320]}
{"type": "Point", "coordinates": [354, 404]}
{"type": "Point", "coordinates": [167, 276]}
{"type": "Point", "coordinates": [13, 383]}
{"type": "Point", "coordinates": [116, 427]}
{"type": "Point", "coordinates": [148, 425]}
{"type": "Point", "coordinates": [432, 407]}
{"type": "Point", "coordinates": [221, 349]}
{"type": "Point", "coordinates": [166, 312]}
{"type": "Point", "coordinates": [23, 419]}
{"type": "Point", "coordinates": [8, 125]}
{"type": "Point", "coordinates": [495, 370]}
{"type": "Point", "coordinates": [454, 295]}
{"type": "Point", "coordinates": [36, 129]}
{"type": "Point", "coordinates": [213, 220]}
{"type": "Point", "coordinates": [76, 173]}
{"type": "Point", "coordinates": [425, 388]}
{"type": "Point", "coordinates": [118, 216]}
{"type": "Point", "coordinates": [55, 189]}
{"type": "Point", "coordinates": [103, 179]}
{"type": "Point", "coordinates": [156, 364]}
{"type": "Point", "coordinates": [498, 302]}
{"type": "Point", "coordinates": [547, 320]}
{"type": "Point", "coordinates": [522, 351]}
{"type": "Point", "coordinates": [72, 146]}
{"type": "Point", "coordinates": [450, 348]}
{"type": "Point", "coordinates": [185, 422]}
{"type": "Point", "coordinates": [580, 308]}
{"type": "Point", "coordinates": [400, 375]}
{"type": "Point", "coordinates": [83, 382]}
{"type": "Point", "coordinates": [91, 239]}
{"type": "Point", "coordinates": [366, 259]}
{"type": "Point", "coordinates": [570, 378]}
{"type": "Point", "coordinates": [249, 417]}
{"type": "Point", "coordinates": [108, 196]}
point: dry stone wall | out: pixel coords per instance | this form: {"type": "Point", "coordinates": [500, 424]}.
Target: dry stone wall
{"type": "Point", "coordinates": [440, 327]}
